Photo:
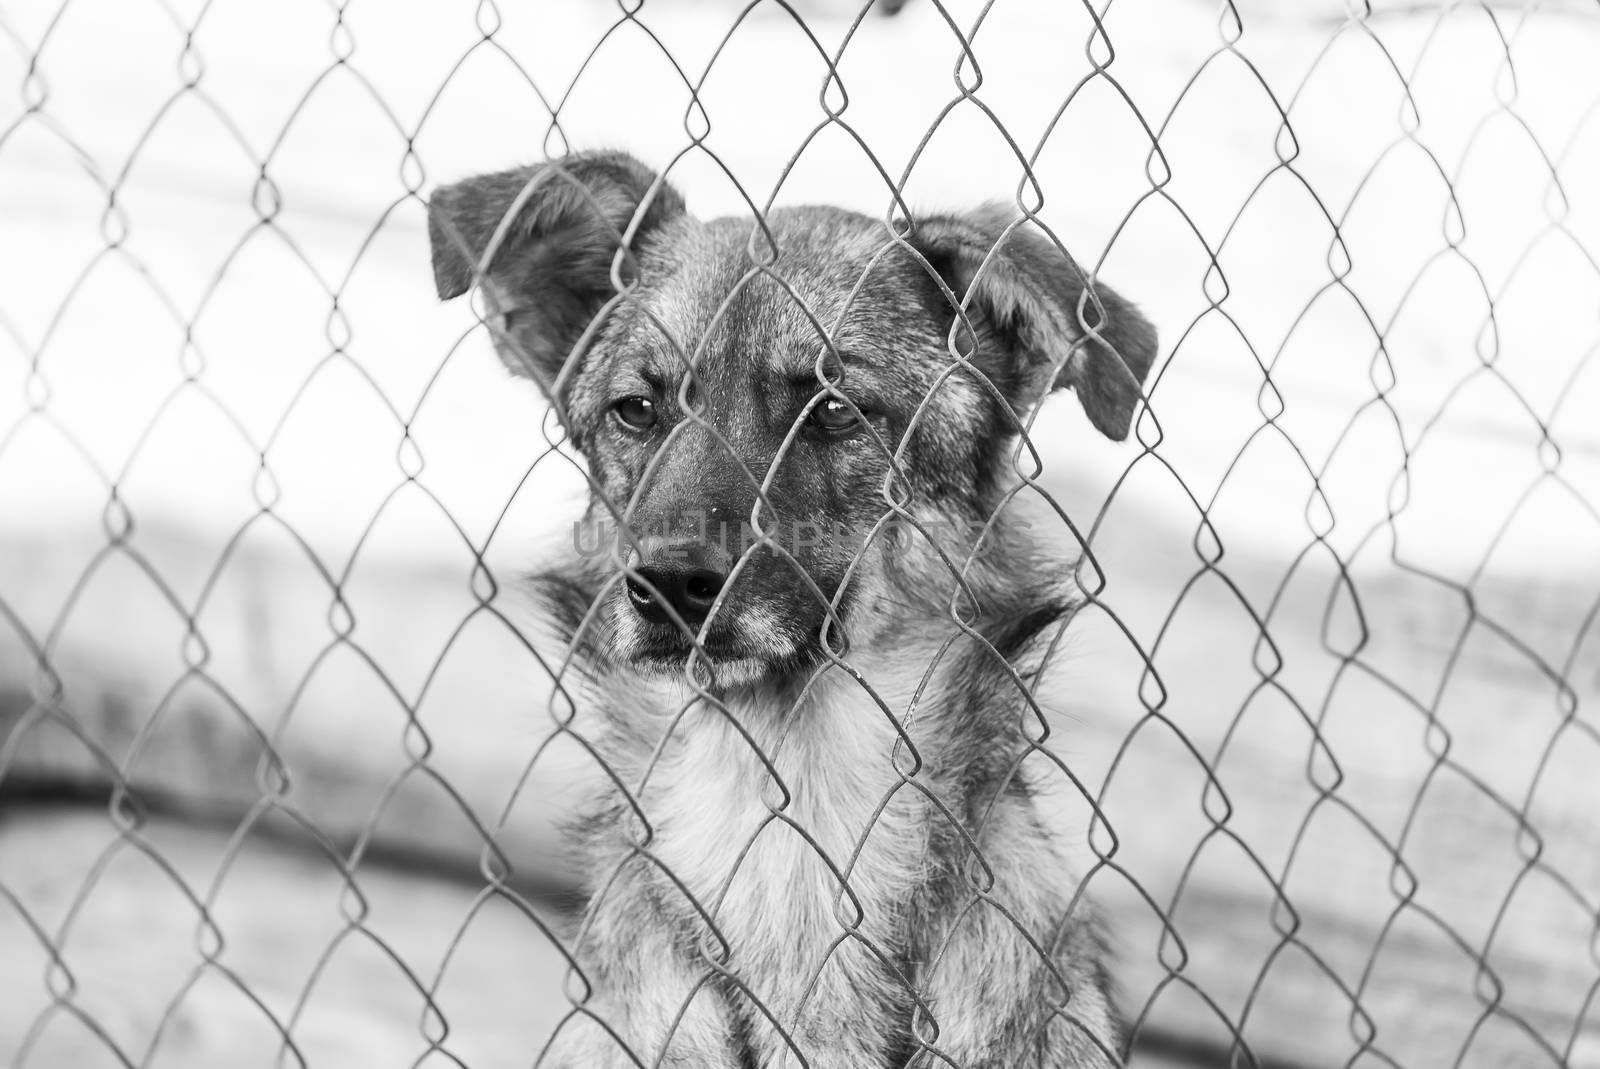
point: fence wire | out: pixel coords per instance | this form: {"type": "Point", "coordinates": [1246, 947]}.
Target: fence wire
{"type": "Point", "coordinates": [1334, 774]}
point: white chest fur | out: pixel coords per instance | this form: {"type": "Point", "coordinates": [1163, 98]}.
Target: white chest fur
{"type": "Point", "coordinates": [801, 840]}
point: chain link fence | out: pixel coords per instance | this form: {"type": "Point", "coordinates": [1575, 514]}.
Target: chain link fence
{"type": "Point", "coordinates": [282, 771]}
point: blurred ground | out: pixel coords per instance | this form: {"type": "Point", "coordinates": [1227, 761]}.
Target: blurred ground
{"type": "Point", "coordinates": [290, 940]}
{"type": "Point", "coordinates": [249, 466]}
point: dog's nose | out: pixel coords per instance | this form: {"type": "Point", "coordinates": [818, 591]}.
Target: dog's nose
{"type": "Point", "coordinates": [686, 585]}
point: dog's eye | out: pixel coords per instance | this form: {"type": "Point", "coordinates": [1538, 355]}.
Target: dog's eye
{"type": "Point", "coordinates": [637, 412]}
{"type": "Point", "coordinates": [833, 415]}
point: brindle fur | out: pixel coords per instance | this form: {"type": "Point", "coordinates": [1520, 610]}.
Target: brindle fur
{"type": "Point", "coordinates": [821, 841]}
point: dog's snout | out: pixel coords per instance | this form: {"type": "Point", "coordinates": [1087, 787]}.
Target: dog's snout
{"type": "Point", "coordinates": [661, 587]}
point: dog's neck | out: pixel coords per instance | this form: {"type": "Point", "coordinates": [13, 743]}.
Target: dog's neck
{"type": "Point", "coordinates": [907, 679]}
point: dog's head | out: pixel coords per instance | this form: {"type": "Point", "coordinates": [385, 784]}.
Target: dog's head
{"type": "Point", "coordinates": [799, 427]}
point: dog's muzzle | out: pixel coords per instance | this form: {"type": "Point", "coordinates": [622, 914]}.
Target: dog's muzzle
{"type": "Point", "coordinates": [684, 596]}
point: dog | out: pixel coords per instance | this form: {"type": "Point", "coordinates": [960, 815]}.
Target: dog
{"type": "Point", "coordinates": [815, 639]}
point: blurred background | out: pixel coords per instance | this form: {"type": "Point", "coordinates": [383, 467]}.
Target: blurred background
{"type": "Point", "coordinates": [278, 782]}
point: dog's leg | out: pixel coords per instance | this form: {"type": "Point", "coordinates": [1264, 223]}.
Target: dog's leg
{"type": "Point", "coordinates": [849, 1018]}
{"type": "Point", "coordinates": [1016, 982]}
{"type": "Point", "coordinates": [998, 1006]}
{"type": "Point", "coordinates": [658, 1008]}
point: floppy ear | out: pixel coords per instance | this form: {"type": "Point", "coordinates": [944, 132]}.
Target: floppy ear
{"type": "Point", "coordinates": [1033, 300]}
{"type": "Point", "coordinates": [541, 241]}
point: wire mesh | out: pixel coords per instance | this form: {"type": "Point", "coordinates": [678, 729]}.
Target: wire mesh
{"type": "Point", "coordinates": [281, 776]}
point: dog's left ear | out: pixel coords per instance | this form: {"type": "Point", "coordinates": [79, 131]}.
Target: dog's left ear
{"type": "Point", "coordinates": [1034, 301]}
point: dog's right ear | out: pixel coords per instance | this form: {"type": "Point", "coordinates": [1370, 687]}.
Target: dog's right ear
{"type": "Point", "coordinates": [541, 241]}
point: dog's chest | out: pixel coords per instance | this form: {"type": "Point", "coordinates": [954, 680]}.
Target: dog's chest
{"type": "Point", "coordinates": [791, 848]}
